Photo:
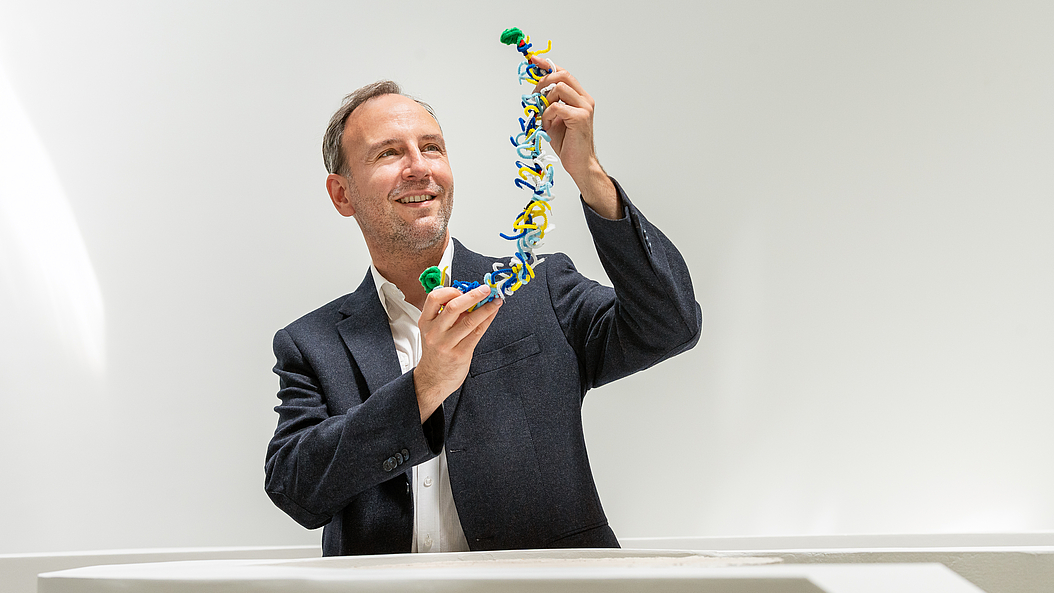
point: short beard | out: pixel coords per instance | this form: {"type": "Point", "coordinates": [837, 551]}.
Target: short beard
{"type": "Point", "coordinates": [413, 239]}
{"type": "Point", "coordinates": [403, 239]}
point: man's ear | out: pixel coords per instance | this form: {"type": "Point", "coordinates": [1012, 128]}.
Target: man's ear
{"type": "Point", "coordinates": [339, 188]}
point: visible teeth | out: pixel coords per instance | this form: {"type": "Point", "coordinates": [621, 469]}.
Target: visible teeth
{"type": "Point", "coordinates": [414, 199]}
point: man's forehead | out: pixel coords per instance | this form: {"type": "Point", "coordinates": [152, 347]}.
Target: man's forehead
{"type": "Point", "coordinates": [381, 117]}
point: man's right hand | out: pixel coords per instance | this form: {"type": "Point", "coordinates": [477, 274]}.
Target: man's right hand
{"type": "Point", "coordinates": [449, 334]}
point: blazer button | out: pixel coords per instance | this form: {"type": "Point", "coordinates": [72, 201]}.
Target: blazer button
{"type": "Point", "coordinates": [389, 464]}
{"type": "Point", "coordinates": [406, 455]}
{"type": "Point", "coordinates": [398, 458]}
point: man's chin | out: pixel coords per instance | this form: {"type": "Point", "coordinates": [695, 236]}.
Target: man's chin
{"type": "Point", "coordinates": [420, 239]}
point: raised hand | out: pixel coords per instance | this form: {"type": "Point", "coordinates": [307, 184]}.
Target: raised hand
{"type": "Point", "coordinates": [569, 122]}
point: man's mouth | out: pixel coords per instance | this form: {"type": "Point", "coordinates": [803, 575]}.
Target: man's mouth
{"type": "Point", "coordinates": [415, 199]}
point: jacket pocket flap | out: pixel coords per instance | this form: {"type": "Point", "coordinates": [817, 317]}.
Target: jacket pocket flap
{"type": "Point", "coordinates": [484, 362]}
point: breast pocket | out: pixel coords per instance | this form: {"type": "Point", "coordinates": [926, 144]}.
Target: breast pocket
{"type": "Point", "coordinates": [485, 362]}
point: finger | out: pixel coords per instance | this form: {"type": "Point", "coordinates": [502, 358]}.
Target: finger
{"type": "Point", "coordinates": [558, 113]}
{"type": "Point", "coordinates": [477, 323]}
{"type": "Point", "coordinates": [471, 298]}
{"type": "Point", "coordinates": [569, 95]}
{"type": "Point", "coordinates": [466, 324]}
{"type": "Point", "coordinates": [461, 304]}
{"type": "Point", "coordinates": [561, 76]}
{"type": "Point", "coordinates": [550, 69]}
{"type": "Point", "coordinates": [545, 64]}
{"type": "Point", "coordinates": [551, 117]}
{"type": "Point", "coordinates": [436, 300]}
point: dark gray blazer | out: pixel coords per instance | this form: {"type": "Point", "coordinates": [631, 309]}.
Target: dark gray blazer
{"type": "Point", "coordinates": [349, 428]}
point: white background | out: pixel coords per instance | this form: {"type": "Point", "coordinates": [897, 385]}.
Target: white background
{"type": "Point", "coordinates": [862, 190]}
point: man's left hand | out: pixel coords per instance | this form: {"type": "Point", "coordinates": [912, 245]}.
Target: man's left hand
{"type": "Point", "coordinates": [569, 122]}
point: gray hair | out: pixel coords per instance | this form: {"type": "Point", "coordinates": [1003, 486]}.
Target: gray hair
{"type": "Point", "coordinates": [332, 150]}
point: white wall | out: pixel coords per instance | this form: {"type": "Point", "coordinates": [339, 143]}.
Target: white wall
{"type": "Point", "coordinates": [863, 192]}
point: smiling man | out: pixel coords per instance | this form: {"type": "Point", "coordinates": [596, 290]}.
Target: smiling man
{"type": "Point", "coordinates": [412, 422]}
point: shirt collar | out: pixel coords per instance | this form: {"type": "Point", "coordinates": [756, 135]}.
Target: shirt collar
{"type": "Point", "coordinates": [388, 290]}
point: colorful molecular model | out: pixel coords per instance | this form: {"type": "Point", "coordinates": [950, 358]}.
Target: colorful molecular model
{"type": "Point", "coordinates": [534, 173]}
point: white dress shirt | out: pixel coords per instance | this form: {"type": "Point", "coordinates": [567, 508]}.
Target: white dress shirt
{"type": "Point", "coordinates": [437, 527]}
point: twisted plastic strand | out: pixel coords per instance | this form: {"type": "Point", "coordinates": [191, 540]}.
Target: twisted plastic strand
{"type": "Point", "coordinates": [534, 175]}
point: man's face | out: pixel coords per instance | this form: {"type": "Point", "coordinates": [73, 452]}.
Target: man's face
{"type": "Point", "coordinates": [401, 189]}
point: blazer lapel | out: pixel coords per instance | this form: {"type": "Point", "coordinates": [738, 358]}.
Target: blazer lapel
{"type": "Point", "coordinates": [368, 336]}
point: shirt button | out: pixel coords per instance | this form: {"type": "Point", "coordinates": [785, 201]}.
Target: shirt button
{"type": "Point", "coordinates": [428, 543]}
{"type": "Point", "coordinates": [428, 481]}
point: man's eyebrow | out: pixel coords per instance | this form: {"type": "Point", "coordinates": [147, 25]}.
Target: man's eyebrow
{"type": "Point", "coordinates": [381, 144]}
{"type": "Point", "coordinates": [390, 141]}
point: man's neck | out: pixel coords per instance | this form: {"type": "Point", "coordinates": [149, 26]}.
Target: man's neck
{"type": "Point", "coordinates": [404, 270]}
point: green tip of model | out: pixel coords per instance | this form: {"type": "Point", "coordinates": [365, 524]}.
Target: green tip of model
{"type": "Point", "coordinates": [431, 278]}
{"type": "Point", "coordinates": [511, 36]}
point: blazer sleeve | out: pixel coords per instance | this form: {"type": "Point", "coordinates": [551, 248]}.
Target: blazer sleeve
{"type": "Point", "coordinates": [648, 315]}
{"type": "Point", "coordinates": [319, 459]}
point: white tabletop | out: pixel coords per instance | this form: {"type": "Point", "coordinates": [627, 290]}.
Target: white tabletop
{"type": "Point", "coordinates": [549, 571]}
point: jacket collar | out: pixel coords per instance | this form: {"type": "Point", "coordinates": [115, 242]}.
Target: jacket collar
{"type": "Point", "coordinates": [368, 337]}
{"type": "Point", "coordinates": [469, 265]}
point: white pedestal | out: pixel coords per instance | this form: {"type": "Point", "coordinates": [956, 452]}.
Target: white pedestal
{"type": "Point", "coordinates": [548, 571]}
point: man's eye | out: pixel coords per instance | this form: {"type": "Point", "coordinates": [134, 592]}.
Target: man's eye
{"type": "Point", "coordinates": [388, 152]}
{"type": "Point", "coordinates": [434, 148]}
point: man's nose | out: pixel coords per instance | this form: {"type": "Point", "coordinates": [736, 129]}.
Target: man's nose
{"type": "Point", "coordinates": [417, 165]}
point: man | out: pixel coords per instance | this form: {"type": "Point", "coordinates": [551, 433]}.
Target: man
{"type": "Point", "coordinates": [408, 422]}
